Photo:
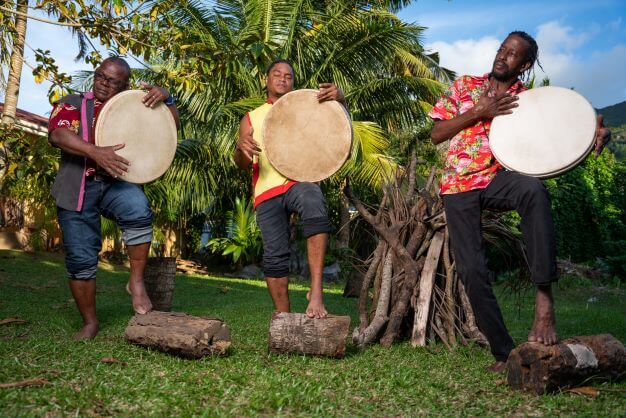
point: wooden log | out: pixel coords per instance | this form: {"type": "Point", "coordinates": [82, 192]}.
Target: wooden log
{"type": "Point", "coordinates": [469, 326]}
{"type": "Point", "coordinates": [365, 285]}
{"type": "Point", "coordinates": [297, 333]}
{"type": "Point", "coordinates": [427, 279]}
{"type": "Point", "coordinates": [370, 333]}
{"type": "Point", "coordinates": [179, 334]}
{"type": "Point", "coordinates": [536, 368]}
{"type": "Point", "coordinates": [449, 290]}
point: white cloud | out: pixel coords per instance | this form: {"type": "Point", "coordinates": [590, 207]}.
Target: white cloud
{"type": "Point", "coordinates": [552, 36]}
{"type": "Point", "coordinates": [467, 56]}
{"type": "Point", "coordinates": [598, 75]}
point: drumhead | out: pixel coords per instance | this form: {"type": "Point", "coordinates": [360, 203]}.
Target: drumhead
{"type": "Point", "coordinates": [149, 135]}
{"type": "Point", "coordinates": [306, 140]}
{"type": "Point", "coordinates": [551, 132]}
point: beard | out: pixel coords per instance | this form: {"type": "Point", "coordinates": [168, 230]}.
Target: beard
{"type": "Point", "coordinates": [504, 74]}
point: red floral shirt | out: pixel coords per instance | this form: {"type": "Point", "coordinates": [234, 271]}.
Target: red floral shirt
{"type": "Point", "coordinates": [67, 116]}
{"type": "Point", "coordinates": [470, 163]}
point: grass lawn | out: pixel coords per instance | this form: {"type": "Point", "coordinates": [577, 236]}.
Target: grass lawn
{"type": "Point", "coordinates": [400, 381]}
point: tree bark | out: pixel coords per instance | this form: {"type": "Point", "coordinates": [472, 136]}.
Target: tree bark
{"type": "Point", "coordinates": [470, 320]}
{"type": "Point", "coordinates": [343, 235]}
{"type": "Point", "coordinates": [179, 334]}
{"type": "Point", "coordinates": [299, 334]}
{"type": "Point", "coordinates": [370, 333]}
{"type": "Point", "coordinates": [427, 280]}
{"type": "Point", "coordinates": [365, 285]}
{"type": "Point", "coordinates": [536, 368]}
{"type": "Point", "coordinates": [15, 71]}
{"type": "Point", "coordinates": [449, 293]}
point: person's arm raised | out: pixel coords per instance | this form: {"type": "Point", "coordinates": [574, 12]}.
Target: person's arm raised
{"type": "Point", "coordinates": [155, 95]}
{"type": "Point", "coordinates": [603, 135]}
{"type": "Point", "coordinates": [246, 147]}
{"type": "Point", "coordinates": [329, 91]}
{"type": "Point", "coordinates": [486, 108]}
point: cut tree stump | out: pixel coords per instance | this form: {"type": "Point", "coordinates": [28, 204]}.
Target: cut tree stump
{"type": "Point", "coordinates": [297, 333]}
{"type": "Point", "coordinates": [179, 334]}
{"type": "Point", "coordinates": [536, 368]}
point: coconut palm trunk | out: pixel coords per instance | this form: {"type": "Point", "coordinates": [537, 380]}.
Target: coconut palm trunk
{"type": "Point", "coordinates": [17, 60]}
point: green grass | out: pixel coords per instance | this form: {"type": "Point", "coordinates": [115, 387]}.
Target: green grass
{"type": "Point", "coordinates": [382, 382]}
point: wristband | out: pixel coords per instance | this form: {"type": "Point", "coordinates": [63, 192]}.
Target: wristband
{"type": "Point", "coordinates": [169, 101]}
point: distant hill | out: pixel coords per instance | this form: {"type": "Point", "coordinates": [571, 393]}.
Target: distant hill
{"type": "Point", "coordinates": [614, 115]}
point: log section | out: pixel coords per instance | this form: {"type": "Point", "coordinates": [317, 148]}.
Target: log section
{"type": "Point", "coordinates": [536, 368]}
{"type": "Point", "coordinates": [297, 333]}
{"type": "Point", "coordinates": [179, 334]}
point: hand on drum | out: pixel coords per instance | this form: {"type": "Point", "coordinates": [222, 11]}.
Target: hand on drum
{"type": "Point", "coordinates": [489, 107]}
{"type": "Point", "coordinates": [603, 135]}
{"type": "Point", "coordinates": [154, 95]}
{"type": "Point", "coordinates": [246, 142]}
{"type": "Point", "coordinates": [329, 91]}
{"type": "Point", "coordinates": [106, 158]}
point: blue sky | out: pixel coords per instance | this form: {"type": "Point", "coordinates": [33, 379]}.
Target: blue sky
{"type": "Point", "coordinates": [582, 44]}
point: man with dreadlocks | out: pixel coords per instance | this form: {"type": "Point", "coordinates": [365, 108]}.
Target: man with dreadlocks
{"type": "Point", "coordinates": [474, 180]}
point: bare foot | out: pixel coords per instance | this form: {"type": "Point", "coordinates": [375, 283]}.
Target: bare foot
{"type": "Point", "coordinates": [141, 301]}
{"type": "Point", "coordinates": [316, 307]}
{"type": "Point", "coordinates": [544, 327]}
{"type": "Point", "coordinates": [497, 367]}
{"type": "Point", "coordinates": [87, 332]}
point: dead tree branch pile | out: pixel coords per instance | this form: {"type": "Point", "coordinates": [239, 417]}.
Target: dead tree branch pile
{"type": "Point", "coordinates": [410, 288]}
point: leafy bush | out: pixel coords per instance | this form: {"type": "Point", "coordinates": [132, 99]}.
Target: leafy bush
{"type": "Point", "coordinates": [589, 209]}
{"type": "Point", "coordinates": [243, 236]}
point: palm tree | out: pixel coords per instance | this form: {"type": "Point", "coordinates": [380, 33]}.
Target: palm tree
{"type": "Point", "coordinates": [217, 66]}
{"type": "Point", "coordinates": [17, 60]}
{"type": "Point", "coordinates": [216, 61]}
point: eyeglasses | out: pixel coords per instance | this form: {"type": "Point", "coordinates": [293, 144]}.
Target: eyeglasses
{"type": "Point", "coordinates": [108, 80]}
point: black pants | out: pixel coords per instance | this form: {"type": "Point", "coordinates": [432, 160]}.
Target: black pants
{"type": "Point", "coordinates": [507, 191]}
{"type": "Point", "coordinates": [272, 216]}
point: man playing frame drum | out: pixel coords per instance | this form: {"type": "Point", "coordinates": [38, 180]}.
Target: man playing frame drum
{"type": "Point", "coordinates": [276, 197]}
{"type": "Point", "coordinates": [87, 186]}
{"type": "Point", "coordinates": [473, 180]}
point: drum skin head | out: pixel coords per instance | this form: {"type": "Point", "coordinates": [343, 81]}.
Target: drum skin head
{"type": "Point", "coordinates": [149, 134]}
{"type": "Point", "coordinates": [306, 140]}
{"type": "Point", "coordinates": [551, 132]}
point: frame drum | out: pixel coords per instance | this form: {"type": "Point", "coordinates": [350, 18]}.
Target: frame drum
{"type": "Point", "coordinates": [551, 132]}
{"type": "Point", "coordinates": [306, 140]}
{"type": "Point", "coordinates": [149, 134]}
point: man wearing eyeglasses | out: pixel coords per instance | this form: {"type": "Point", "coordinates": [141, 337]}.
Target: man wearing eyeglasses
{"type": "Point", "coordinates": [89, 184]}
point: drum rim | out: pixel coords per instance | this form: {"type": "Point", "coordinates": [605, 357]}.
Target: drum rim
{"type": "Point", "coordinates": [339, 164]}
{"type": "Point", "coordinates": [556, 172]}
{"type": "Point", "coordinates": [160, 107]}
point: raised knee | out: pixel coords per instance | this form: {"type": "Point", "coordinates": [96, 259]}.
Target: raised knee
{"type": "Point", "coordinates": [310, 195]}
{"type": "Point", "coordinates": [533, 188]}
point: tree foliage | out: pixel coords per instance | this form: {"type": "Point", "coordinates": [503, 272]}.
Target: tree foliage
{"type": "Point", "coordinates": [589, 208]}
{"type": "Point", "coordinates": [243, 236]}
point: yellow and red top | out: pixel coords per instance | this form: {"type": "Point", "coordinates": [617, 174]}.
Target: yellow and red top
{"type": "Point", "coordinates": [266, 180]}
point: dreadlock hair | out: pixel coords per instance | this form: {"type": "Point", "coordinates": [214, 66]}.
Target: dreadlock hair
{"type": "Point", "coordinates": [281, 61]}
{"type": "Point", "coordinates": [532, 53]}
